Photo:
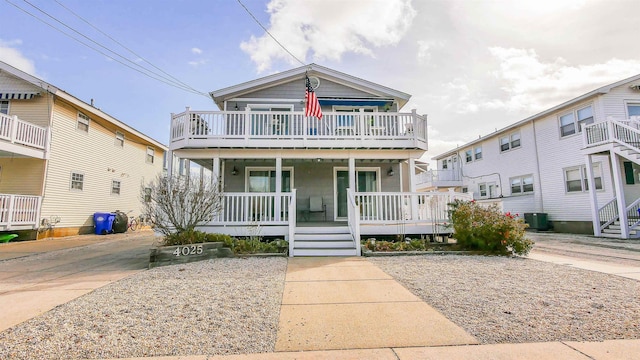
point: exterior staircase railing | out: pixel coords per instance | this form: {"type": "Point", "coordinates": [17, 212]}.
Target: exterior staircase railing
{"type": "Point", "coordinates": [632, 214]}
{"type": "Point", "coordinates": [625, 132]}
{"type": "Point", "coordinates": [353, 212]}
{"type": "Point", "coordinates": [608, 214]}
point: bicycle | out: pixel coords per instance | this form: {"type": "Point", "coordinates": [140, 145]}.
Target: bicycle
{"type": "Point", "coordinates": [134, 223]}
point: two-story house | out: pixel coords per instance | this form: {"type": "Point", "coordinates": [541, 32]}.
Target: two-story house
{"type": "Point", "coordinates": [321, 183]}
{"type": "Point", "coordinates": [573, 167]}
{"type": "Point", "coordinates": [62, 160]}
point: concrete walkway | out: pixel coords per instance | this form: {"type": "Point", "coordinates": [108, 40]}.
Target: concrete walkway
{"type": "Point", "coordinates": [36, 284]}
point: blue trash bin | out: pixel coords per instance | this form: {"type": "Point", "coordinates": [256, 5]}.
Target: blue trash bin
{"type": "Point", "coordinates": [103, 223]}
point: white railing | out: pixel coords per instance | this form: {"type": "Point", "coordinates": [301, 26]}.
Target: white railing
{"type": "Point", "coordinates": [19, 211]}
{"type": "Point", "coordinates": [433, 176]}
{"type": "Point", "coordinates": [262, 208]}
{"type": "Point", "coordinates": [353, 220]}
{"type": "Point", "coordinates": [294, 125]}
{"type": "Point", "coordinates": [622, 131]}
{"type": "Point", "coordinates": [21, 132]}
{"type": "Point", "coordinates": [380, 207]}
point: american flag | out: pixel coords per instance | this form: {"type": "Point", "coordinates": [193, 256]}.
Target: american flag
{"type": "Point", "coordinates": [312, 106]}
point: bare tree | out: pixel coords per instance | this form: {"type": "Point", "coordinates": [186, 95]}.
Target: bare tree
{"type": "Point", "coordinates": [179, 204]}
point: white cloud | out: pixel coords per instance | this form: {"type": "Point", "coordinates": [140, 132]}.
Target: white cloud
{"type": "Point", "coordinates": [15, 58]}
{"type": "Point", "coordinates": [315, 28]}
{"type": "Point", "coordinates": [196, 51]}
{"type": "Point", "coordinates": [425, 48]}
{"type": "Point", "coordinates": [527, 83]}
{"type": "Point", "coordinates": [196, 63]}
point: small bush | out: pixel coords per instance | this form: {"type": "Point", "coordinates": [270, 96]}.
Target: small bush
{"type": "Point", "coordinates": [487, 229]}
{"type": "Point", "coordinates": [194, 237]}
{"type": "Point", "coordinates": [255, 246]}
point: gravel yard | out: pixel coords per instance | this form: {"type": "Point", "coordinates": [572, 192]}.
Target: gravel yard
{"type": "Point", "coordinates": [516, 300]}
{"type": "Point", "coordinates": [223, 306]}
{"type": "Point", "coordinates": [232, 306]}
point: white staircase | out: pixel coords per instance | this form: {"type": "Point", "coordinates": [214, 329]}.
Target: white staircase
{"type": "Point", "coordinates": [323, 241]}
{"type": "Point", "coordinates": [614, 231]}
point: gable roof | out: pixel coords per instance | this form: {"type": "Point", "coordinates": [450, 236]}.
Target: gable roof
{"type": "Point", "coordinates": [47, 87]}
{"type": "Point", "coordinates": [599, 91]}
{"type": "Point", "coordinates": [377, 90]}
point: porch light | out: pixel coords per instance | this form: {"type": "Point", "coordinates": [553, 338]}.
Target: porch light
{"type": "Point", "coordinates": [234, 171]}
{"type": "Point", "coordinates": [390, 172]}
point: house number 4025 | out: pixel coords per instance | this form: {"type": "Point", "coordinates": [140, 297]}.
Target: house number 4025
{"type": "Point", "coordinates": [188, 250]}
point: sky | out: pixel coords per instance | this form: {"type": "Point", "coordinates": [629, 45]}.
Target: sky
{"type": "Point", "coordinates": [471, 66]}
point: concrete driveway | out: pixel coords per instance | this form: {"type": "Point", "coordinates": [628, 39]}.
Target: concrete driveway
{"type": "Point", "coordinates": [36, 276]}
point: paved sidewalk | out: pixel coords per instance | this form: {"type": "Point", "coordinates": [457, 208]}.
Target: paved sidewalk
{"type": "Point", "coordinates": [50, 272]}
{"type": "Point", "coordinates": [349, 303]}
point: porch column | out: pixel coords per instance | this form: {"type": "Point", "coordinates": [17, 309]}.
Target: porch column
{"type": "Point", "coordinates": [215, 172]}
{"type": "Point", "coordinates": [187, 169]}
{"type": "Point", "coordinates": [278, 204]}
{"type": "Point", "coordinates": [622, 206]}
{"type": "Point", "coordinates": [352, 174]}
{"type": "Point", "coordinates": [170, 164]}
{"type": "Point", "coordinates": [595, 216]}
{"type": "Point", "coordinates": [412, 188]}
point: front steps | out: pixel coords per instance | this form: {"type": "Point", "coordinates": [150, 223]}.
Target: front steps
{"type": "Point", "coordinates": [323, 241]}
{"type": "Point", "coordinates": [614, 231]}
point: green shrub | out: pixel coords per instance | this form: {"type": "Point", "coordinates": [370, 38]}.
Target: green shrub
{"type": "Point", "coordinates": [254, 246]}
{"type": "Point", "coordinates": [194, 237]}
{"type": "Point", "coordinates": [487, 229]}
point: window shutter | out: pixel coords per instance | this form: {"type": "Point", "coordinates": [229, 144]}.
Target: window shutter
{"type": "Point", "coordinates": [628, 172]}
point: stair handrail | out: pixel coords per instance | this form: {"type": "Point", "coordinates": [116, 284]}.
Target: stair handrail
{"type": "Point", "coordinates": [625, 134]}
{"type": "Point", "coordinates": [292, 221]}
{"type": "Point", "coordinates": [632, 212]}
{"type": "Point", "coordinates": [353, 211]}
{"type": "Point", "coordinates": [608, 213]}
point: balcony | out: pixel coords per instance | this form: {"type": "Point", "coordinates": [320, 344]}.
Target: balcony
{"type": "Point", "coordinates": [23, 138]}
{"type": "Point", "coordinates": [432, 179]}
{"type": "Point", "coordinates": [19, 212]}
{"type": "Point", "coordinates": [293, 130]}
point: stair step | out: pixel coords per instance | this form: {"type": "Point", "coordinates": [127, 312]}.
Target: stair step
{"type": "Point", "coordinates": [322, 237]}
{"type": "Point", "coordinates": [325, 252]}
{"type": "Point", "coordinates": [323, 230]}
{"type": "Point", "coordinates": [319, 244]}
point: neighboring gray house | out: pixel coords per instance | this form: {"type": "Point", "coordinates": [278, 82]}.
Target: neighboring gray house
{"type": "Point", "coordinates": [320, 183]}
{"type": "Point", "coordinates": [545, 164]}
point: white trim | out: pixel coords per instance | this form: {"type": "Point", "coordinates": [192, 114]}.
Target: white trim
{"type": "Point", "coordinates": [241, 99]}
{"type": "Point", "coordinates": [71, 188]}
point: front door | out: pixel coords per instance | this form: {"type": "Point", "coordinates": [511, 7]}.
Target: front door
{"type": "Point", "coordinates": [366, 181]}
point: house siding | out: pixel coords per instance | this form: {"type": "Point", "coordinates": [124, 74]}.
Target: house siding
{"type": "Point", "coordinates": [21, 176]}
{"type": "Point", "coordinates": [95, 155]}
{"type": "Point", "coordinates": [35, 110]}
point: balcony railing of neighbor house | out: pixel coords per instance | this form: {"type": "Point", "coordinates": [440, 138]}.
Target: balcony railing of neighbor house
{"type": "Point", "coordinates": [19, 211]}
{"type": "Point", "coordinates": [244, 126]}
{"type": "Point", "coordinates": [622, 131]}
{"type": "Point", "coordinates": [21, 132]}
{"type": "Point", "coordinates": [433, 177]}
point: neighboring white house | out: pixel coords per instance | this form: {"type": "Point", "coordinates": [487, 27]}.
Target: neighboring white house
{"type": "Point", "coordinates": [62, 160]}
{"type": "Point", "coordinates": [319, 183]}
{"type": "Point", "coordinates": [542, 167]}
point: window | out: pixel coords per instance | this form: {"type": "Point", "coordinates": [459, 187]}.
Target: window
{"type": "Point", "coordinates": [521, 185]}
{"type": "Point", "coordinates": [119, 139]}
{"type": "Point", "coordinates": [482, 189]}
{"type": "Point", "coordinates": [83, 122]}
{"type": "Point", "coordinates": [631, 173]}
{"type": "Point", "coordinates": [568, 123]}
{"type": "Point", "coordinates": [4, 107]}
{"type": "Point", "coordinates": [77, 181]}
{"type": "Point", "coordinates": [632, 110]}
{"type": "Point", "coordinates": [147, 195]}
{"type": "Point", "coordinates": [115, 187]}
{"type": "Point", "coordinates": [509, 142]}
{"type": "Point", "coordinates": [445, 165]}
{"type": "Point", "coordinates": [151, 153]}
{"type": "Point", "coordinates": [576, 178]}
{"type": "Point", "coordinates": [468, 155]}
{"type": "Point", "coordinates": [478, 153]}
{"type": "Point", "coordinates": [465, 189]}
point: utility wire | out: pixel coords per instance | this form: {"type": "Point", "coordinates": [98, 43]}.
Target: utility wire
{"type": "Point", "coordinates": [123, 46]}
{"type": "Point", "coordinates": [153, 75]}
{"type": "Point", "coordinates": [100, 45]}
{"type": "Point", "coordinates": [268, 33]}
